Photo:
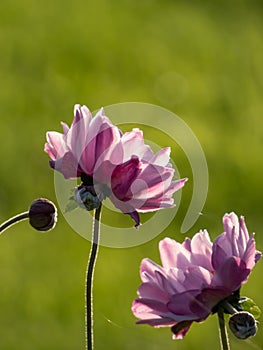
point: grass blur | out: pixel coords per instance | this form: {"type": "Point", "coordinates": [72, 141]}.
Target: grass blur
{"type": "Point", "coordinates": [200, 59]}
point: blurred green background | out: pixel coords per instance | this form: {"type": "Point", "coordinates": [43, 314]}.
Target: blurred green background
{"type": "Point", "coordinates": [200, 59]}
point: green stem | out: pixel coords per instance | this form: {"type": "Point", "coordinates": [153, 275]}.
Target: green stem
{"type": "Point", "coordinates": [222, 329]}
{"type": "Point", "coordinates": [89, 279]}
{"type": "Point", "coordinates": [13, 221]}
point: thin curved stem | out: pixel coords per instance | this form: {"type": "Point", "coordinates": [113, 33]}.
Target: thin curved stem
{"type": "Point", "coordinates": [5, 225]}
{"type": "Point", "coordinates": [89, 279]}
{"type": "Point", "coordinates": [222, 330]}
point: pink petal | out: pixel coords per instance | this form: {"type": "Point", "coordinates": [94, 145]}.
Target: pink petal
{"type": "Point", "coordinates": [221, 250]}
{"type": "Point", "coordinates": [121, 204]}
{"type": "Point", "coordinates": [173, 254]}
{"type": "Point", "coordinates": [187, 244]}
{"type": "Point", "coordinates": [101, 123]}
{"type": "Point", "coordinates": [157, 322]}
{"type": "Point", "coordinates": [152, 291]}
{"type": "Point", "coordinates": [161, 200]}
{"type": "Point", "coordinates": [201, 247]}
{"type": "Point", "coordinates": [231, 274]}
{"type": "Point", "coordinates": [66, 165]}
{"type": "Point", "coordinates": [148, 269]}
{"type": "Point", "coordinates": [145, 307]}
{"type": "Point", "coordinates": [230, 221]}
{"type": "Point", "coordinates": [175, 186]}
{"type": "Point", "coordinates": [204, 302]}
{"type": "Point", "coordinates": [197, 277]}
{"type": "Point", "coordinates": [180, 303]}
{"type": "Point", "coordinates": [65, 128]}
{"type": "Point", "coordinates": [258, 255]}
{"type": "Point", "coordinates": [123, 176]}
{"type": "Point", "coordinates": [116, 153]}
{"type": "Point", "coordinates": [161, 158]}
{"type": "Point", "coordinates": [243, 236]}
{"type": "Point", "coordinates": [133, 143]}
{"type": "Point", "coordinates": [95, 151]}
{"type": "Point", "coordinates": [55, 146]}
{"type": "Point", "coordinates": [171, 282]}
{"type": "Point", "coordinates": [231, 226]}
{"type": "Point", "coordinates": [153, 180]}
{"type": "Point", "coordinates": [76, 135]}
{"type": "Point", "coordinates": [180, 329]}
{"type": "Point", "coordinates": [153, 204]}
{"type": "Point", "coordinates": [136, 217]}
{"type": "Point", "coordinates": [250, 252]}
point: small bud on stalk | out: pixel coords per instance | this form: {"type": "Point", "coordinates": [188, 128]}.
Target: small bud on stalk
{"type": "Point", "coordinates": [42, 214]}
{"type": "Point", "coordinates": [243, 325]}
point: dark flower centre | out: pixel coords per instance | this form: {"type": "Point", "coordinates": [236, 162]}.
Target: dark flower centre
{"type": "Point", "coordinates": [87, 180]}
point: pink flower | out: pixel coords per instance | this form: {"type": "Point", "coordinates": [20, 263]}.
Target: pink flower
{"type": "Point", "coordinates": [76, 150]}
{"type": "Point", "coordinates": [117, 165]}
{"type": "Point", "coordinates": [196, 275]}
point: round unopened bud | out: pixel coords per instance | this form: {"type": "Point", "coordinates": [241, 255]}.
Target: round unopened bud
{"type": "Point", "coordinates": [86, 197]}
{"type": "Point", "coordinates": [42, 214]}
{"type": "Point", "coordinates": [243, 325]}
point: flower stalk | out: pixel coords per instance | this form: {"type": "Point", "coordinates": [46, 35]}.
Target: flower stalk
{"type": "Point", "coordinates": [89, 279]}
{"type": "Point", "coordinates": [15, 219]}
{"type": "Point", "coordinates": [222, 330]}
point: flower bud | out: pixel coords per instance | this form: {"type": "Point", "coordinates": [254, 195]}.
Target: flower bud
{"type": "Point", "coordinates": [243, 325]}
{"type": "Point", "coordinates": [42, 214]}
{"type": "Point", "coordinates": [86, 197]}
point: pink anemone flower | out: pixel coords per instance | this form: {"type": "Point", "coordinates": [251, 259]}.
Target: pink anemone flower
{"type": "Point", "coordinates": [196, 275]}
{"type": "Point", "coordinates": [118, 166]}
